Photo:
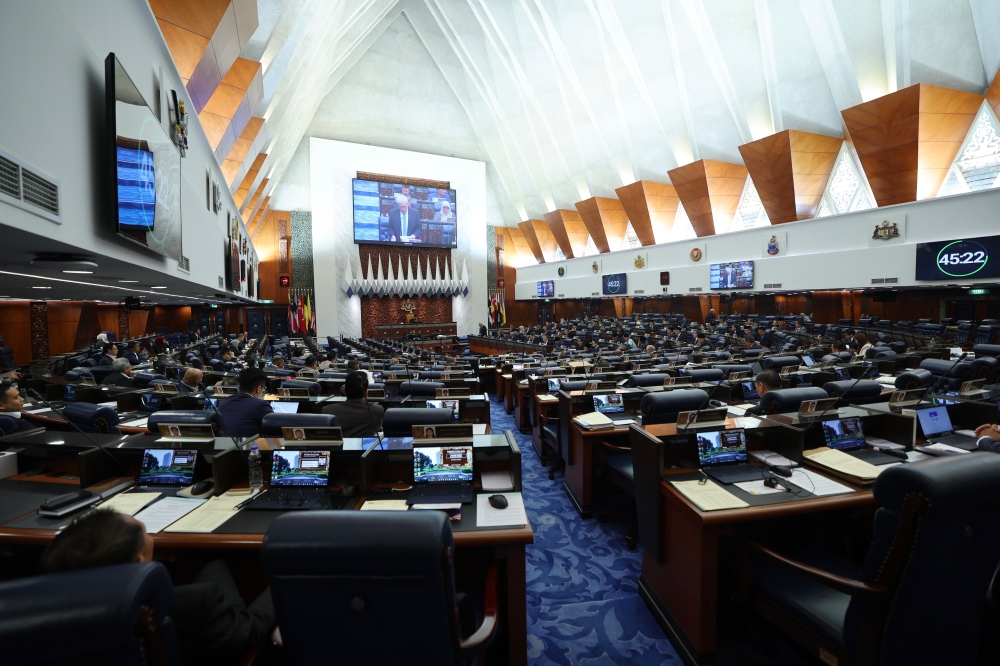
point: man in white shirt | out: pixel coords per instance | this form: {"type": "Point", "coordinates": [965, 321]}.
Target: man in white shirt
{"type": "Point", "coordinates": [11, 403]}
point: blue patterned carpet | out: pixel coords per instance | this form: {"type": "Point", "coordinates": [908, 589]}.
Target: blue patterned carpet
{"type": "Point", "coordinates": [583, 601]}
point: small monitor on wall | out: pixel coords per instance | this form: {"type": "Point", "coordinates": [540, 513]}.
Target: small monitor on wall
{"type": "Point", "coordinates": [731, 275]}
{"type": "Point", "coordinates": [615, 284]}
{"type": "Point", "coordinates": [546, 288]}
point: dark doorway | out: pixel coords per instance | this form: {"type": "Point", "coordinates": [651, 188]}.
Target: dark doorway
{"type": "Point", "coordinates": [279, 323]}
{"type": "Point", "coordinates": [544, 313]}
{"type": "Point", "coordinates": [204, 321]}
{"type": "Point", "coordinates": [965, 311]}
{"type": "Point", "coordinates": [220, 322]}
{"type": "Point", "coordinates": [255, 323]}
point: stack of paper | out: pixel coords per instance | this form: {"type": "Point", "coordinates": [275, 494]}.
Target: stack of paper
{"type": "Point", "coordinates": [166, 512]}
{"type": "Point", "coordinates": [708, 496]}
{"type": "Point", "coordinates": [209, 516]}
{"type": "Point", "coordinates": [385, 505]}
{"type": "Point", "coordinates": [843, 465]}
{"type": "Point", "coordinates": [129, 503]}
{"type": "Point", "coordinates": [593, 421]}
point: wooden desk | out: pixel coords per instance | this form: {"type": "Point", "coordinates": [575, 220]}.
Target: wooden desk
{"type": "Point", "coordinates": [579, 482]}
{"type": "Point", "coordinates": [59, 423]}
{"type": "Point", "coordinates": [397, 331]}
{"type": "Point", "coordinates": [680, 562]}
{"type": "Point", "coordinates": [522, 408]}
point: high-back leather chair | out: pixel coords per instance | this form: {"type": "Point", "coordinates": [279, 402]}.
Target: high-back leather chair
{"type": "Point", "coordinates": [664, 407]}
{"type": "Point", "coordinates": [273, 423]}
{"type": "Point", "coordinates": [117, 615]}
{"type": "Point", "coordinates": [704, 374]}
{"type": "Point", "coordinates": [852, 392]}
{"type": "Point", "coordinates": [399, 421]}
{"type": "Point", "coordinates": [934, 552]}
{"type": "Point", "coordinates": [731, 368]}
{"type": "Point", "coordinates": [74, 376]}
{"type": "Point", "coordinates": [947, 374]}
{"type": "Point", "coordinates": [652, 379]}
{"type": "Point", "coordinates": [92, 418]}
{"type": "Point", "coordinates": [914, 379]}
{"type": "Point", "coordinates": [776, 363]}
{"type": "Point", "coordinates": [986, 350]}
{"type": "Point", "coordinates": [186, 417]}
{"type": "Point", "coordinates": [314, 387]}
{"type": "Point", "coordinates": [145, 379]}
{"type": "Point", "coordinates": [425, 389]}
{"type": "Point", "coordinates": [364, 571]}
{"type": "Point", "coordinates": [783, 401]}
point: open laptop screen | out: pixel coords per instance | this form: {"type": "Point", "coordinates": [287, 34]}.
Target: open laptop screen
{"type": "Point", "coordinates": [807, 361]}
{"type": "Point", "coordinates": [934, 420]}
{"type": "Point", "coordinates": [749, 391]}
{"type": "Point", "coordinates": [285, 407]}
{"type": "Point", "coordinates": [718, 447]}
{"type": "Point", "coordinates": [442, 464]}
{"type": "Point", "coordinates": [609, 404]}
{"type": "Point", "coordinates": [553, 385]}
{"type": "Point", "coordinates": [167, 467]}
{"type": "Point", "coordinates": [300, 468]}
{"type": "Point", "coordinates": [844, 434]}
{"type": "Point", "coordinates": [445, 404]}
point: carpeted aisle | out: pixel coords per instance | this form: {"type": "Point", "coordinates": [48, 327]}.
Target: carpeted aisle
{"type": "Point", "coordinates": [583, 603]}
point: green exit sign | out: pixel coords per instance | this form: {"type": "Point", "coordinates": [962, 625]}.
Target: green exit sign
{"type": "Point", "coordinates": [979, 292]}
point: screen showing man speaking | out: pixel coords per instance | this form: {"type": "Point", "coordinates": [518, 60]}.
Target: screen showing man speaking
{"type": "Point", "coordinates": [402, 214]}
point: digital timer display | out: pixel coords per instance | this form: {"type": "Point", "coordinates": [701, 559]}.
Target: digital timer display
{"type": "Point", "coordinates": [962, 258]}
{"type": "Point", "coordinates": [615, 284]}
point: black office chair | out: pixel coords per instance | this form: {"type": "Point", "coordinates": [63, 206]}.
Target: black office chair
{"type": "Point", "coordinates": [384, 581]}
{"type": "Point", "coordinates": [918, 596]}
{"type": "Point", "coordinates": [399, 421]}
{"type": "Point", "coordinates": [664, 407]}
{"type": "Point", "coordinates": [422, 389]}
{"type": "Point", "coordinates": [117, 615]}
{"type": "Point", "coordinates": [272, 424]}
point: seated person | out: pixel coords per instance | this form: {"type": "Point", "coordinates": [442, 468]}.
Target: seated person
{"type": "Point", "coordinates": [214, 624]}
{"type": "Point", "coordinates": [988, 437]}
{"type": "Point", "coordinates": [160, 345]}
{"type": "Point", "coordinates": [110, 354]}
{"type": "Point", "coordinates": [278, 361]}
{"type": "Point", "coordinates": [120, 375]}
{"type": "Point", "coordinates": [191, 382]}
{"type": "Point", "coordinates": [357, 416]}
{"type": "Point", "coordinates": [132, 353]}
{"type": "Point", "coordinates": [194, 336]}
{"type": "Point", "coordinates": [838, 346]}
{"type": "Point", "coordinates": [764, 382]}
{"type": "Point", "coordinates": [310, 368]}
{"type": "Point", "coordinates": [11, 403]}
{"type": "Point", "coordinates": [244, 412]}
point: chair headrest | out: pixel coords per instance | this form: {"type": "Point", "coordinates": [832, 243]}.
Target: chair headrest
{"type": "Point", "coordinates": [314, 387]}
{"type": "Point", "coordinates": [865, 388]}
{"type": "Point", "coordinates": [939, 367]}
{"type": "Point", "coordinates": [915, 378]}
{"type": "Point", "coordinates": [704, 374]}
{"type": "Point", "coordinates": [986, 350]}
{"type": "Point", "coordinates": [85, 413]}
{"type": "Point", "coordinates": [186, 416]}
{"type": "Point", "coordinates": [273, 423]}
{"type": "Point", "coordinates": [420, 388]}
{"type": "Point", "coordinates": [951, 484]}
{"type": "Point", "coordinates": [789, 400]}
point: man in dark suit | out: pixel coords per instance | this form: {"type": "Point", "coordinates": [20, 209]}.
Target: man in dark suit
{"type": "Point", "coordinates": [214, 624]}
{"type": "Point", "coordinates": [482, 330]}
{"type": "Point", "coordinates": [404, 221]}
{"type": "Point", "coordinates": [191, 382]}
{"type": "Point", "coordinates": [132, 353]}
{"type": "Point", "coordinates": [244, 412]}
{"type": "Point", "coordinates": [358, 418]}
{"type": "Point", "coordinates": [764, 382]}
{"type": "Point", "coordinates": [11, 403]}
{"type": "Point", "coordinates": [194, 335]}
{"type": "Point", "coordinates": [121, 375]}
{"type": "Point", "coordinates": [110, 354]}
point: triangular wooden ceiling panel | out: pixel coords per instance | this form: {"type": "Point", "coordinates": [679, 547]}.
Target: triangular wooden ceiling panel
{"type": "Point", "coordinates": [570, 232]}
{"type": "Point", "coordinates": [606, 221]}
{"type": "Point", "coordinates": [710, 191]}
{"type": "Point", "coordinates": [651, 207]}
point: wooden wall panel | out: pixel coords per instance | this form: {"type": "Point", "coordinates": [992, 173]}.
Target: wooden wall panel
{"type": "Point", "coordinates": [907, 140]}
{"type": "Point", "coordinates": [606, 221]}
{"type": "Point", "coordinates": [651, 207]}
{"type": "Point", "coordinates": [528, 232]}
{"type": "Point", "coordinates": [107, 317]}
{"type": "Point", "coordinates": [519, 313]}
{"type": "Point", "coordinates": [570, 232]}
{"type": "Point", "coordinates": [790, 170]}
{"type": "Point", "coordinates": [710, 192]}
{"type": "Point", "coordinates": [15, 328]}
{"type": "Point", "coordinates": [267, 241]}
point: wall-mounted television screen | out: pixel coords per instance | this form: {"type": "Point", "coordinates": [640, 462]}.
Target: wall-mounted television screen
{"type": "Point", "coordinates": [144, 173]}
{"type": "Point", "coordinates": [950, 259]}
{"type": "Point", "coordinates": [546, 288]}
{"type": "Point", "coordinates": [731, 275]}
{"type": "Point", "coordinates": [400, 214]}
{"type": "Point", "coordinates": [615, 284]}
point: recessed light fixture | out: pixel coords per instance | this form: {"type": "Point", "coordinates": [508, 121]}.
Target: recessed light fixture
{"type": "Point", "coordinates": [157, 287]}
{"type": "Point", "coordinates": [129, 281]}
{"type": "Point", "coordinates": [80, 272]}
{"type": "Point", "coordinates": [41, 287]}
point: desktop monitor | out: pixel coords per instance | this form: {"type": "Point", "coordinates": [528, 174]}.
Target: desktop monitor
{"type": "Point", "coordinates": [844, 434]}
{"type": "Point", "coordinates": [717, 447]}
{"type": "Point", "coordinates": [168, 467]}
{"type": "Point", "coordinates": [749, 391]}
{"type": "Point", "coordinates": [300, 468]}
{"type": "Point", "coordinates": [442, 464]}
{"type": "Point", "coordinates": [554, 385]}
{"type": "Point", "coordinates": [545, 288]}
{"type": "Point", "coordinates": [285, 407]}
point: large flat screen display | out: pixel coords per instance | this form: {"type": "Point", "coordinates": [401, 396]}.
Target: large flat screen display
{"type": "Point", "coordinates": [962, 258]}
{"type": "Point", "coordinates": [615, 284]}
{"type": "Point", "coordinates": [400, 214]}
{"type": "Point", "coordinates": [546, 288]}
{"type": "Point", "coordinates": [731, 275]}
{"type": "Point", "coordinates": [144, 168]}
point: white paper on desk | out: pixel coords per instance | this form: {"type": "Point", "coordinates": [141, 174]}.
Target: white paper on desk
{"type": "Point", "coordinates": [966, 433]}
{"type": "Point", "coordinates": [709, 496]}
{"type": "Point", "coordinates": [439, 507]}
{"type": "Point", "coordinates": [166, 512]}
{"type": "Point", "coordinates": [385, 505]}
{"type": "Point", "coordinates": [817, 484]}
{"type": "Point", "coordinates": [109, 403]}
{"type": "Point", "coordinates": [757, 488]}
{"type": "Point", "coordinates": [841, 462]}
{"type": "Point", "coordinates": [138, 423]}
{"type": "Point", "coordinates": [947, 448]}
{"type": "Point", "coordinates": [129, 503]}
{"type": "Point", "coordinates": [748, 422]}
{"type": "Point", "coordinates": [478, 428]}
{"type": "Point", "coordinates": [737, 410]}
{"type": "Point", "coordinates": [496, 482]}
{"type": "Point", "coordinates": [210, 515]}
{"type": "Point", "coordinates": [513, 515]}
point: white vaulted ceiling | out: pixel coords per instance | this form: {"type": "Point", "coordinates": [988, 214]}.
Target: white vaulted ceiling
{"type": "Point", "coordinates": [570, 99]}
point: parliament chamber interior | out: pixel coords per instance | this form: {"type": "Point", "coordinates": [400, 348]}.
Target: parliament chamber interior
{"type": "Point", "coordinates": [671, 326]}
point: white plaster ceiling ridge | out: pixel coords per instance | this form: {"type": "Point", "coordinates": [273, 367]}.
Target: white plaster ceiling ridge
{"type": "Point", "coordinates": [989, 50]}
{"type": "Point", "coordinates": [682, 95]}
{"type": "Point", "coordinates": [614, 27]}
{"type": "Point", "coordinates": [554, 43]}
{"type": "Point", "coordinates": [485, 97]}
{"type": "Point", "coordinates": [514, 195]}
{"type": "Point", "coordinates": [762, 11]}
{"type": "Point", "coordinates": [832, 51]}
{"type": "Point", "coordinates": [702, 28]}
{"type": "Point", "coordinates": [283, 29]}
{"type": "Point", "coordinates": [613, 85]}
{"type": "Point", "coordinates": [486, 93]}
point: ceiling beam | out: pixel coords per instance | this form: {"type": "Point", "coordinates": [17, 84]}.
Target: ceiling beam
{"type": "Point", "coordinates": [710, 192]}
{"type": "Point", "coordinates": [546, 240]}
{"type": "Point", "coordinates": [651, 207]}
{"type": "Point", "coordinates": [606, 221]}
{"type": "Point", "coordinates": [570, 232]}
{"type": "Point", "coordinates": [528, 231]}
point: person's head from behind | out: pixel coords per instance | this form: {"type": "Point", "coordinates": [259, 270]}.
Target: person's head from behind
{"type": "Point", "coordinates": [353, 365]}
{"type": "Point", "coordinates": [10, 398]}
{"type": "Point", "coordinates": [98, 538]}
{"type": "Point", "coordinates": [767, 381]}
{"type": "Point", "coordinates": [310, 362]}
{"type": "Point", "coordinates": [849, 333]}
{"type": "Point", "coordinates": [356, 385]}
{"type": "Point", "coordinates": [837, 346]}
{"type": "Point", "coordinates": [121, 365]}
{"type": "Point", "coordinates": [111, 349]}
{"type": "Point", "coordinates": [252, 381]}
{"type": "Point", "coordinates": [278, 361]}
{"type": "Point", "coordinates": [861, 339]}
{"type": "Point", "coordinates": [227, 356]}
{"type": "Point", "coordinates": [192, 377]}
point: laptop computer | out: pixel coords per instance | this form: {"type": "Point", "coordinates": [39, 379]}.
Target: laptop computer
{"type": "Point", "coordinates": [612, 405]}
{"type": "Point", "coordinates": [842, 374]}
{"type": "Point", "coordinates": [442, 474]}
{"type": "Point", "coordinates": [150, 402]}
{"type": "Point", "coordinates": [808, 361]}
{"type": "Point", "coordinates": [936, 426]}
{"type": "Point", "coordinates": [722, 455]}
{"type": "Point", "coordinates": [285, 407]}
{"type": "Point", "coordinates": [749, 392]}
{"type": "Point", "coordinates": [847, 435]}
{"type": "Point", "coordinates": [166, 471]}
{"type": "Point", "coordinates": [553, 385]}
{"type": "Point", "coordinates": [299, 480]}
{"type": "Point", "coordinates": [445, 404]}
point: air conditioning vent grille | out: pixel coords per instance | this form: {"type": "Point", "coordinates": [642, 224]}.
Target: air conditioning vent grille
{"type": "Point", "coordinates": [894, 280]}
{"type": "Point", "coordinates": [878, 281]}
{"type": "Point", "coordinates": [184, 264]}
{"type": "Point", "coordinates": [222, 282]}
{"type": "Point", "coordinates": [40, 192]}
{"type": "Point", "coordinates": [695, 289]}
{"type": "Point", "coordinates": [773, 285]}
{"type": "Point", "coordinates": [10, 178]}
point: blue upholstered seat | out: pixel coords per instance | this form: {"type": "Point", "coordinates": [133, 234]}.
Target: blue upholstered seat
{"type": "Point", "coordinates": [398, 422]}
{"type": "Point", "coordinates": [782, 401]}
{"type": "Point", "coordinates": [92, 418]}
{"type": "Point", "coordinates": [663, 407]}
{"type": "Point", "coordinates": [914, 379]}
{"type": "Point", "coordinates": [852, 392]}
{"type": "Point", "coordinates": [273, 423]}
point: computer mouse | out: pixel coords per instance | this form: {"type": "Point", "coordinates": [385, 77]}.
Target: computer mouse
{"type": "Point", "coordinates": [498, 501]}
{"type": "Point", "coordinates": [202, 487]}
{"type": "Point", "coordinates": [349, 491]}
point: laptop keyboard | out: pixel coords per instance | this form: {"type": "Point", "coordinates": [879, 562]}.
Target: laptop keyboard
{"type": "Point", "coordinates": [733, 470]}
{"type": "Point", "coordinates": [438, 491]}
{"type": "Point", "coordinates": [288, 496]}
{"type": "Point", "coordinates": [950, 439]}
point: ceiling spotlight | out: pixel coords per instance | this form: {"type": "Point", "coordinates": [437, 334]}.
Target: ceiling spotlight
{"type": "Point", "coordinates": [130, 281]}
{"type": "Point", "coordinates": [157, 287]}
{"type": "Point", "coordinates": [41, 287]}
{"type": "Point", "coordinates": [80, 272]}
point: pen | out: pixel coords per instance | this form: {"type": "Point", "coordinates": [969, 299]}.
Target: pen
{"type": "Point", "coordinates": [243, 503]}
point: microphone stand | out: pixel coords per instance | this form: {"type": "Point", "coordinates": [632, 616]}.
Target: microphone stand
{"type": "Point", "coordinates": [37, 396]}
